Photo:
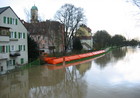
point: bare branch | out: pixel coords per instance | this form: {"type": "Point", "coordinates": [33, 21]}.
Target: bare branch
{"type": "Point", "coordinates": [71, 17]}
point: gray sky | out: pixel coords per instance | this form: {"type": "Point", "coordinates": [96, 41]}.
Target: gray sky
{"type": "Point", "coordinates": [114, 16]}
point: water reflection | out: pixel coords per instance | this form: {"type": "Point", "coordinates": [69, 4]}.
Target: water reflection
{"type": "Point", "coordinates": [113, 56]}
{"type": "Point", "coordinates": [62, 83]}
{"type": "Point", "coordinates": [110, 76]}
{"type": "Point", "coordinates": [14, 84]}
{"type": "Point", "coordinates": [83, 68]}
{"type": "Point", "coordinates": [119, 53]}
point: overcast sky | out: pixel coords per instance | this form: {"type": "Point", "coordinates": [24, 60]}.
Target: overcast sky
{"type": "Point", "coordinates": [114, 16]}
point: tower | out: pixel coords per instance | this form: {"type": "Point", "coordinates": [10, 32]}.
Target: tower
{"type": "Point", "coordinates": [34, 14]}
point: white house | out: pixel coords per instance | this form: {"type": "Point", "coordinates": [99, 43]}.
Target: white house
{"type": "Point", "coordinates": [85, 35]}
{"type": "Point", "coordinates": [13, 40]}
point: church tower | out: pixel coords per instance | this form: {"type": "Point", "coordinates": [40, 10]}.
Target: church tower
{"type": "Point", "coordinates": [34, 14]}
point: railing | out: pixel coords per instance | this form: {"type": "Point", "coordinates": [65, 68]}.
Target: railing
{"type": "Point", "coordinates": [14, 53]}
{"type": "Point", "coordinates": [4, 38]}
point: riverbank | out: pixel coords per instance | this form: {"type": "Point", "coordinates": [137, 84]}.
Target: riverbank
{"type": "Point", "coordinates": [75, 58]}
{"type": "Point", "coordinates": [39, 62]}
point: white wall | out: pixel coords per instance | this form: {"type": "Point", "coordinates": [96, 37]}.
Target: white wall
{"type": "Point", "coordinates": [16, 28]}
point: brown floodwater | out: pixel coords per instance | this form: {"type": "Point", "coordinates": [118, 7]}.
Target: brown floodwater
{"type": "Point", "coordinates": [113, 75]}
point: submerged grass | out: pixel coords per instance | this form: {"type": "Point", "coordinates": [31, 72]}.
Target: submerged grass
{"type": "Point", "coordinates": [31, 64]}
{"type": "Point", "coordinates": [38, 62]}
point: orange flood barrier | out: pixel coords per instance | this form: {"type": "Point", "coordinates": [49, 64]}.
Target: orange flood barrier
{"type": "Point", "coordinates": [54, 67]}
{"type": "Point", "coordinates": [54, 60]}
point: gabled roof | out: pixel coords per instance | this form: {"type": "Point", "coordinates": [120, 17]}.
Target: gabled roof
{"type": "Point", "coordinates": [3, 9]}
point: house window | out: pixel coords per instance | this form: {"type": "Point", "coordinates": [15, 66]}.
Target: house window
{"type": "Point", "coordinates": [24, 47]}
{"type": "Point", "coordinates": [16, 21]}
{"type": "Point", "coordinates": [20, 47]}
{"type": "Point", "coordinates": [1, 68]}
{"type": "Point", "coordinates": [14, 62]}
{"type": "Point", "coordinates": [12, 48]}
{"type": "Point", "coordinates": [2, 49]}
{"type": "Point", "coordinates": [12, 35]}
{"type": "Point", "coordinates": [8, 20]}
{"type": "Point", "coordinates": [10, 62]}
{"type": "Point", "coordinates": [4, 19]}
{"type": "Point", "coordinates": [15, 34]}
{"type": "Point", "coordinates": [19, 35]}
{"type": "Point", "coordinates": [7, 49]}
{"type": "Point", "coordinates": [13, 22]}
{"type": "Point", "coordinates": [24, 35]}
{"type": "Point", "coordinates": [22, 60]}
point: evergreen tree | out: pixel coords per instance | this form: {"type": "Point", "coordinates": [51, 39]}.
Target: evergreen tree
{"type": "Point", "coordinates": [33, 50]}
{"type": "Point", "coordinates": [77, 44]}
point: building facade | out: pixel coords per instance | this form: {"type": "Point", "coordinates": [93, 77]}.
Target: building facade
{"type": "Point", "coordinates": [47, 34]}
{"type": "Point", "coordinates": [13, 40]}
{"type": "Point", "coordinates": [85, 35]}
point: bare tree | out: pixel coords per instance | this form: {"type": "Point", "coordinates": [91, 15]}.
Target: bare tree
{"type": "Point", "coordinates": [71, 17]}
{"type": "Point", "coordinates": [28, 14]}
{"type": "Point", "coordinates": [136, 2]}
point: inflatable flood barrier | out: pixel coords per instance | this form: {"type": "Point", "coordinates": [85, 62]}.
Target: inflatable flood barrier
{"type": "Point", "coordinates": [54, 60]}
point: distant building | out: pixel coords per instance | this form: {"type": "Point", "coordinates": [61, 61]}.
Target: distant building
{"type": "Point", "coordinates": [48, 34]}
{"type": "Point", "coordinates": [13, 40]}
{"type": "Point", "coordinates": [85, 35]}
{"type": "Point", "coordinates": [34, 14]}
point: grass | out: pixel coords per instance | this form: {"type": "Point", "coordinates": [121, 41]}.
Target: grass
{"type": "Point", "coordinates": [82, 59]}
{"type": "Point", "coordinates": [31, 64]}
{"type": "Point", "coordinates": [38, 62]}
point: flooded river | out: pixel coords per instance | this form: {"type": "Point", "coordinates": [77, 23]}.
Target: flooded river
{"type": "Point", "coordinates": [114, 75]}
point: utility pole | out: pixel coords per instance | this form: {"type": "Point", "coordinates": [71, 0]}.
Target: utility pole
{"type": "Point", "coordinates": [63, 42]}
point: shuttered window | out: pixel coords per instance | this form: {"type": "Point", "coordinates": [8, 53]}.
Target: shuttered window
{"type": "Point", "coordinates": [7, 49]}
{"type": "Point", "coordinates": [8, 20]}
{"type": "Point", "coordinates": [16, 21]}
{"type": "Point", "coordinates": [18, 34]}
{"type": "Point", "coordinates": [15, 34]}
{"type": "Point", "coordinates": [4, 19]}
{"type": "Point", "coordinates": [22, 60]}
{"type": "Point", "coordinates": [24, 35]}
{"type": "Point", "coordinates": [0, 49]}
{"type": "Point", "coordinates": [24, 47]}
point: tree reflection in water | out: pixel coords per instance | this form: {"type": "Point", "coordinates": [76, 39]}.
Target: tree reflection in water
{"type": "Point", "coordinates": [112, 57]}
{"type": "Point", "coordinates": [119, 53]}
{"type": "Point", "coordinates": [62, 83]}
{"type": "Point", "coordinates": [83, 68]}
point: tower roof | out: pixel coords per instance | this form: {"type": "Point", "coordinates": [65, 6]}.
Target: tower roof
{"type": "Point", "coordinates": [34, 8]}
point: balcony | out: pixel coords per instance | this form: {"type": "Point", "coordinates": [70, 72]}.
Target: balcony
{"type": "Point", "coordinates": [14, 53]}
{"type": "Point", "coordinates": [4, 39]}
{"type": "Point", "coordinates": [4, 56]}
{"type": "Point", "coordinates": [4, 34]}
